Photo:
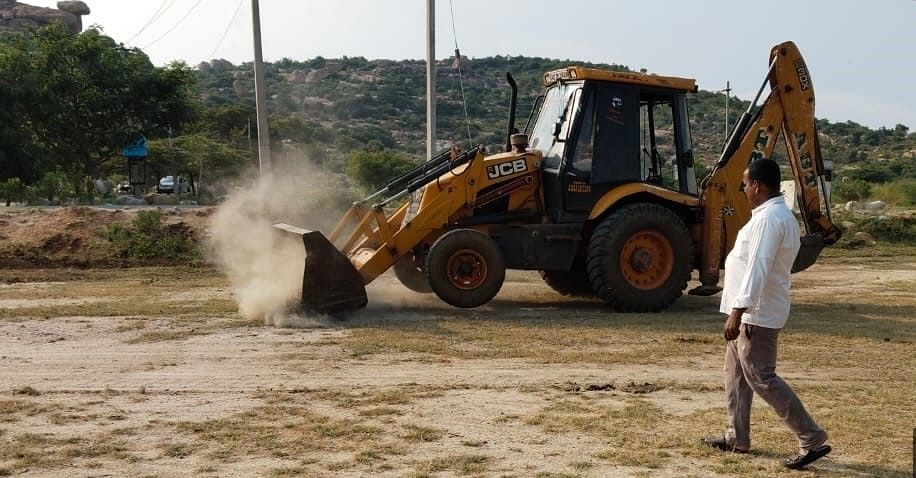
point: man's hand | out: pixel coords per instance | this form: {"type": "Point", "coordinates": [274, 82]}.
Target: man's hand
{"type": "Point", "coordinates": [733, 324]}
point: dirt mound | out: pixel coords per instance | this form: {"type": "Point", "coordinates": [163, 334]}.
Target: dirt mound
{"type": "Point", "coordinates": [77, 236]}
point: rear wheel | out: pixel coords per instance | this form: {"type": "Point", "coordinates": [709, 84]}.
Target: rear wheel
{"type": "Point", "coordinates": [465, 268]}
{"type": "Point", "coordinates": [640, 257]}
{"type": "Point", "coordinates": [571, 283]}
{"type": "Point", "coordinates": [409, 270]}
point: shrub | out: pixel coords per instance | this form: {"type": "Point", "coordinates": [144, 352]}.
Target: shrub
{"type": "Point", "coordinates": [890, 228]}
{"type": "Point", "coordinates": [851, 190]}
{"type": "Point", "coordinates": [897, 193]}
{"type": "Point", "coordinates": [148, 238]}
{"type": "Point", "coordinates": [54, 185]}
{"type": "Point", "coordinates": [12, 190]}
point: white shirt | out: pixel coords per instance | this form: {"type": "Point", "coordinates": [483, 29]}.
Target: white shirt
{"type": "Point", "coordinates": [758, 269]}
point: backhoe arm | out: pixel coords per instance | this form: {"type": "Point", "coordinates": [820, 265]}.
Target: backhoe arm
{"type": "Point", "coordinates": [789, 110]}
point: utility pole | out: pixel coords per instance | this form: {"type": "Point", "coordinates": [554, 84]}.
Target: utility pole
{"type": "Point", "coordinates": [728, 92]}
{"type": "Point", "coordinates": [260, 92]}
{"type": "Point", "coordinates": [430, 79]}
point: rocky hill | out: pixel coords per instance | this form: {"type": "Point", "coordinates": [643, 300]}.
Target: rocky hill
{"type": "Point", "coordinates": [17, 17]}
{"type": "Point", "coordinates": [333, 106]}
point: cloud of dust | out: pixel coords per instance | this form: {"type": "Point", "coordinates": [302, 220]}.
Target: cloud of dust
{"type": "Point", "coordinates": [265, 265]}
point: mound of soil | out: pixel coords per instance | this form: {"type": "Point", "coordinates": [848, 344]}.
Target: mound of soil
{"type": "Point", "coordinates": [76, 236]}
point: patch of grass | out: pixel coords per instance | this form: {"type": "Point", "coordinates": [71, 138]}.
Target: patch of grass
{"type": "Point", "coordinates": [633, 429]}
{"type": "Point", "coordinates": [11, 409]}
{"type": "Point", "coordinates": [165, 335]}
{"type": "Point", "coordinates": [348, 399]}
{"type": "Point", "coordinates": [26, 390]}
{"type": "Point", "coordinates": [581, 465]}
{"type": "Point", "coordinates": [278, 430]}
{"type": "Point", "coordinates": [461, 464]}
{"type": "Point", "coordinates": [289, 471]}
{"type": "Point", "coordinates": [177, 450]}
{"type": "Point", "coordinates": [418, 433]}
{"type": "Point", "coordinates": [379, 412]}
{"type": "Point", "coordinates": [31, 450]}
{"type": "Point", "coordinates": [162, 307]}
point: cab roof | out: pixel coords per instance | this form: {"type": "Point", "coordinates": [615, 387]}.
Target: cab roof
{"type": "Point", "coordinates": [688, 85]}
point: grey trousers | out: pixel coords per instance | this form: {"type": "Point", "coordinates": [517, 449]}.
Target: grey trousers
{"type": "Point", "coordinates": [750, 367]}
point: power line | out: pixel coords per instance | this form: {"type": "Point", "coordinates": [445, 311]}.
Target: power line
{"type": "Point", "coordinates": [238, 8]}
{"type": "Point", "coordinates": [464, 100]}
{"type": "Point", "coordinates": [180, 21]}
{"type": "Point", "coordinates": [159, 12]}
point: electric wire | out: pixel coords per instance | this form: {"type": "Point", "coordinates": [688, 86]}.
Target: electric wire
{"type": "Point", "coordinates": [176, 25]}
{"type": "Point", "coordinates": [464, 101]}
{"type": "Point", "coordinates": [159, 12]}
{"type": "Point", "coordinates": [235, 15]}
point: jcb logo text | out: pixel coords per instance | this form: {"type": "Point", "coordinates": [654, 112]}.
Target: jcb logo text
{"type": "Point", "coordinates": [507, 168]}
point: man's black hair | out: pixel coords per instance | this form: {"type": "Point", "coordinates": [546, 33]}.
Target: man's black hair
{"type": "Point", "coordinates": [766, 172]}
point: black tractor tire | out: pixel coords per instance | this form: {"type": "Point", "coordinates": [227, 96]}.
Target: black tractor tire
{"type": "Point", "coordinates": [571, 283]}
{"type": "Point", "coordinates": [465, 268]}
{"type": "Point", "coordinates": [409, 271]}
{"type": "Point", "coordinates": [640, 257]}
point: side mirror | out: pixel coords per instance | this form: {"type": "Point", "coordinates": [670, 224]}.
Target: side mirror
{"type": "Point", "coordinates": [557, 129]}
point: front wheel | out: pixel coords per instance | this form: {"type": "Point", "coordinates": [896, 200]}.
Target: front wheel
{"type": "Point", "coordinates": [640, 258]}
{"type": "Point", "coordinates": [465, 268]}
{"type": "Point", "coordinates": [411, 274]}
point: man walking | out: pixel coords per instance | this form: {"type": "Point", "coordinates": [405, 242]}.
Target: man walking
{"type": "Point", "coordinates": [756, 299]}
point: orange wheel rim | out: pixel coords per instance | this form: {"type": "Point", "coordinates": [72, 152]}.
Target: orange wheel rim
{"type": "Point", "coordinates": [647, 260]}
{"type": "Point", "coordinates": [467, 269]}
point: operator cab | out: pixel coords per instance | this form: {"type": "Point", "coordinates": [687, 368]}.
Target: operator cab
{"type": "Point", "coordinates": [598, 129]}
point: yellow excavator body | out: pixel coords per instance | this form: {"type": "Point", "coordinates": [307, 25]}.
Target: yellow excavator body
{"type": "Point", "coordinates": [599, 194]}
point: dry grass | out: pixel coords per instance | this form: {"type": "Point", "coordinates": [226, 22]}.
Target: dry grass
{"type": "Point", "coordinates": [278, 431]}
{"type": "Point", "coordinates": [459, 464]}
{"type": "Point", "coordinates": [849, 353]}
{"type": "Point", "coordinates": [128, 307]}
{"type": "Point", "coordinates": [30, 450]}
{"type": "Point", "coordinates": [115, 292]}
{"type": "Point", "coordinates": [418, 433]}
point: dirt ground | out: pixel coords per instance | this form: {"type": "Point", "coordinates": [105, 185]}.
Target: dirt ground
{"type": "Point", "coordinates": [151, 372]}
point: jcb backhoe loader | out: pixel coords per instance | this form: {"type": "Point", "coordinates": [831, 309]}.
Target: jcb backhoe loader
{"type": "Point", "coordinates": [599, 194]}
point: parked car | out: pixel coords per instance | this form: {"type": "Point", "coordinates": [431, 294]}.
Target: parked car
{"type": "Point", "coordinates": [167, 185]}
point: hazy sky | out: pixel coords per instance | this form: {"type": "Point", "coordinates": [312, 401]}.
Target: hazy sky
{"type": "Point", "coordinates": [862, 55]}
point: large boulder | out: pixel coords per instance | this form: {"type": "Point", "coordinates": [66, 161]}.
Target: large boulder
{"type": "Point", "coordinates": [19, 17]}
{"type": "Point", "coordinates": [875, 206]}
{"type": "Point", "coordinates": [239, 89]}
{"type": "Point", "coordinates": [865, 238]}
{"type": "Point", "coordinates": [297, 77]}
{"type": "Point", "coordinates": [75, 7]}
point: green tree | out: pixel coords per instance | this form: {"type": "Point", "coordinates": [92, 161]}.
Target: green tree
{"type": "Point", "coordinates": [88, 96]}
{"type": "Point", "coordinates": [195, 156]}
{"type": "Point", "coordinates": [851, 190]}
{"type": "Point", "coordinates": [372, 169]}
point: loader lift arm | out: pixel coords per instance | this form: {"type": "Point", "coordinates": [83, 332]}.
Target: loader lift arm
{"type": "Point", "coordinates": [787, 111]}
{"type": "Point", "coordinates": [367, 240]}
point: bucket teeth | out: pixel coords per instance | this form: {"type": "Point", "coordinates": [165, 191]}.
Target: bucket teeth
{"type": "Point", "coordinates": [330, 283]}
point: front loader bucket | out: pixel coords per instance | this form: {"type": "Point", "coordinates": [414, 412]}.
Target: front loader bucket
{"type": "Point", "coordinates": [330, 283]}
{"type": "Point", "coordinates": [811, 247]}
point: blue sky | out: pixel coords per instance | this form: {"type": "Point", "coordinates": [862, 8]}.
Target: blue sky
{"type": "Point", "coordinates": [862, 55]}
